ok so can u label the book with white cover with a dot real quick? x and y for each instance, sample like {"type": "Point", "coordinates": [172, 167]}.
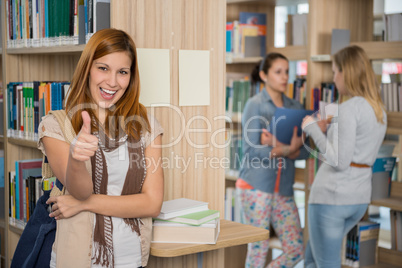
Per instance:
{"type": "Point", "coordinates": [170, 232]}
{"type": "Point", "coordinates": [181, 206]}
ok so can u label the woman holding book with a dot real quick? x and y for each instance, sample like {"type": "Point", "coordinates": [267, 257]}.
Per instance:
{"type": "Point", "coordinates": [267, 172]}
{"type": "Point", "coordinates": [348, 146]}
{"type": "Point", "coordinates": [109, 165]}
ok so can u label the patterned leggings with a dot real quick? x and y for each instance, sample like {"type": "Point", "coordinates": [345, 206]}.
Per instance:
{"type": "Point", "coordinates": [260, 209]}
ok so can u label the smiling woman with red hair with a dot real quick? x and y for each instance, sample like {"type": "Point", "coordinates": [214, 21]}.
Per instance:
{"type": "Point", "coordinates": [104, 165]}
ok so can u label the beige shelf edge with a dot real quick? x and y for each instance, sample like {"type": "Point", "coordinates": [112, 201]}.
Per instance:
{"type": "Point", "coordinates": [394, 203]}
{"type": "Point", "coordinates": [47, 50]}
{"type": "Point", "coordinates": [231, 234]}
{"type": "Point", "coordinates": [23, 142]}
{"type": "Point", "coordinates": [271, 2]}
{"type": "Point", "coordinates": [15, 229]}
{"type": "Point", "coordinates": [381, 50]}
{"type": "Point", "coordinates": [243, 60]}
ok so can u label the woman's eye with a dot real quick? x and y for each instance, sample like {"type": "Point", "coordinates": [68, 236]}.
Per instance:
{"type": "Point", "coordinates": [123, 72]}
{"type": "Point", "coordinates": [102, 68]}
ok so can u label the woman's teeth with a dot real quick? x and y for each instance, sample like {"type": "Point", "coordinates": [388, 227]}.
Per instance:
{"type": "Point", "coordinates": [110, 92]}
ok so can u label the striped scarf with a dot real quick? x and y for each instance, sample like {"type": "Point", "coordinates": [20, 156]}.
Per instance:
{"type": "Point", "coordinates": [103, 233]}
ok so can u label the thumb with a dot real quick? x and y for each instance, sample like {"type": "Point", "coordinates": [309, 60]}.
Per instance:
{"type": "Point", "coordinates": [86, 125]}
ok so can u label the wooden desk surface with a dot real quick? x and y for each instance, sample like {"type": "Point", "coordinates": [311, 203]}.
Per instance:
{"type": "Point", "coordinates": [231, 234]}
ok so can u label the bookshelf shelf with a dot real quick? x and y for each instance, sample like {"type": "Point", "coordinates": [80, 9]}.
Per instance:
{"type": "Point", "coordinates": [73, 49]}
{"type": "Point", "coordinates": [293, 53]}
{"type": "Point", "coordinates": [1, 138]}
{"type": "Point", "coordinates": [394, 203]}
{"type": "Point", "coordinates": [23, 142]}
{"type": "Point", "coordinates": [394, 122]}
{"type": "Point", "coordinates": [321, 58]}
{"type": "Point", "coordinates": [231, 234]}
{"type": "Point", "coordinates": [230, 60]}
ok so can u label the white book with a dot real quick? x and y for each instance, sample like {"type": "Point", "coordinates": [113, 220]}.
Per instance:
{"type": "Point", "coordinates": [169, 232]}
{"type": "Point", "coordinates": [181, 206]}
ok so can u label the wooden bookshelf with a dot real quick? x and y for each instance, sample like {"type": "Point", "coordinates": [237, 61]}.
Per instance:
{"type": "Point", "coordinates": [231, 234]}
{"type": "Point", "coordinates": [74, 49]}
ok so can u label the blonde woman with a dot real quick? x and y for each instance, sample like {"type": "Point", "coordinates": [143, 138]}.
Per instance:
{"type": "Point", "coordinates": [341, 190]}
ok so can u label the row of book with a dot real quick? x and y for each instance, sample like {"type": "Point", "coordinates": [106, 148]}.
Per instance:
{"type": "Point", "coordinates": [246, 37]}
{"type": "Point", "coordinates": [36, 23]}
{"type": "Point", "coordinates": [360, 244]}
{"type": "Point", "coordinates": [391, 95]}
{"type": "Point", "coordinates": [185, 220]}
{"type": "Point", "coordinates": [28, 102]}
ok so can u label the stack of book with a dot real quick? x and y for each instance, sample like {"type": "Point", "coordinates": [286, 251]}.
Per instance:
{"type": "Point", "coordinates": [186, 221]}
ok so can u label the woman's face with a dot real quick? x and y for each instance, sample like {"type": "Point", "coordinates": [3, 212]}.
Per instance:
{"type": "Point", "coordinates": [338, 79]}
{"type": "Point", "coordinates": [278, 75]}
{"type": "Point", "coordinates": [109, 78]}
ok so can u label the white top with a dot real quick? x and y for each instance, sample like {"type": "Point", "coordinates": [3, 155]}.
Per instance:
{"type": "Point", "coordinates": [123, 237]}
{"type": "Point", "coordinates": [355, 136]}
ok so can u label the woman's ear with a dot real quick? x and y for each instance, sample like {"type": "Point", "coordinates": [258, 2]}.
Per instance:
{"type": "Point", "coordinates": [263, 76]}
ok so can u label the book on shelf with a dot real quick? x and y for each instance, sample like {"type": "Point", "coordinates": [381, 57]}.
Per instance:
{"type": "Point", "coordinates": [359, 247]}
{"type": "Point", "coordinates": [181, 206]}
{"type": "Point", "coordinates": [258, 21]}
{"type": "Point", "coordinates": [196, 218]}
{"type": "Point", "coordinates": [169, 232]}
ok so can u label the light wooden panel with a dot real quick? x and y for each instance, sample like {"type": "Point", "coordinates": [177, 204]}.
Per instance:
{"type": "Point", "coordinates": [191, 25]}
{"type": "Point", "coordinates": [38, 67]}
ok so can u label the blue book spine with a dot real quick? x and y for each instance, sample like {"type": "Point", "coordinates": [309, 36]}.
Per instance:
{"type": "Point", "coordinates": [46, 18]}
